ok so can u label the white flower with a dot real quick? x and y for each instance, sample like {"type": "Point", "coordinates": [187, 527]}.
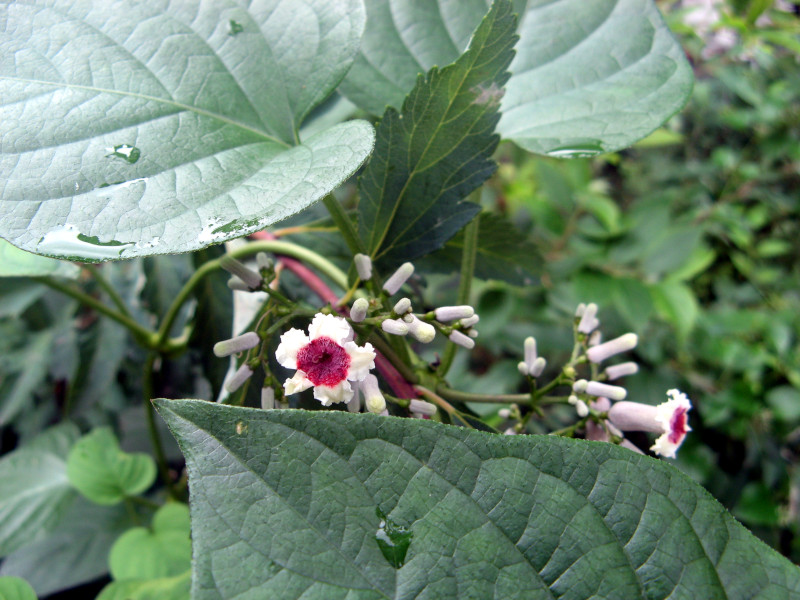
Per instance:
{"type": "Point", "coordinates": [327, 359]}
{"type": "Point", "coordinates": [670, 419]}
{"type": "Point", "coordinates": [623, 343]}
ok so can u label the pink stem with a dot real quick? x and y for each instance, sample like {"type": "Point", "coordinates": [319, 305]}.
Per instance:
{"type": "Point", "coordinates": [400, 387]}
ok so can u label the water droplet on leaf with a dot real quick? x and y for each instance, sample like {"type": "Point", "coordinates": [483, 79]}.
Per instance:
{"type": "Point", "coordinates": [393, 540]}
{"type": "Point", "coordinates": [68, 242]}
{"type": "Point", "coordinates": [126, 152]}
{"type": "Point", "coordinates": [234, 27]}
{"type": "Point", "coordinates": [578, 148]}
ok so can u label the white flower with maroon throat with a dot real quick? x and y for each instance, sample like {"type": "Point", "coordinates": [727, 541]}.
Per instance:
{"type": "Point", "coordinates": [327, 359]}
{"type": "Point", "coordinates": [670, 419]}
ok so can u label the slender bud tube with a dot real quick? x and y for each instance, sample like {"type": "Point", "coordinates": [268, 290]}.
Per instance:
{"type": "Point", "coordinates": [445, 314]}
{"type": "Point", "coordinates": [421, 407]}
{"type": "Point", "coordinates": [234, 267]}
{"type": "Point", "coordinates": [613, 347]}
{"type": "Point", "coordinates": [354, 406]}
{"type": "Point", "coordinates": [621, 370]}
{"type": "Point", "coordinates": [530, 351]}
{"type": "Point", "coordinates": [394, 326]}
{"type": "Point", "coordinates": [581, 409]}
{"type": "Point", "coordinates": [462, 340]}
{"type": "Point", "coordinates": [363, 266]}
{"type": "Point", "coordinates": [358, 312]}
{"type": "Point", "coordinates": [470, 321]}
{"type": "Point", "coordinates": [242, 374]}
{"type": "Point", "coordinates": [588, 322]}
{"type": "Point", "coordinates": [267, 398]}
{"type": "Point", "coordinates": [374, 400]}
{"type": "Point", "coordinates": [396, 281]}
{"type": "Point", "coordinates": [240, 343]}
{"type": "Point", "coordinates": [613, 392]}
{"type": "Point", "coordinates": [537, 368]}
{"type": "Point", "coordinates": [238, 285]}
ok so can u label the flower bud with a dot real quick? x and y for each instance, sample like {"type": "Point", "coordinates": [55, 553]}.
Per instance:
{"type": "Point", "coordinates": [504, 413]}
{"type": "Point", "coordinates": [588, 322]}
{"type": "Point", "coordinates": [621, 370]}
{"type": "Point", "coordinates": [421, 407]}
{"type": "Point", "coordinates": [445, 314]}
{"type": "Point", "coordinates": [613, 392]}
{"type": "Point", "coordinates": [522, 367]}
{"type": "Point", "coordinates": [237, 285]}
{"type": "Point", "coordinates": [358, 312]}
{"type": "Point", "coordinates": [394, 326]}
{"type": "Point", "coordinates": [263, 261]}
{"type": "Point", "coordinates": [580, 310]}
{"type": "Point", "coordinates": [354, 406]}
{"type": "Point", "coordinates": [581, 409]}
{"type": "Point", "coordinates": [613, 347]}
{"type": "Point", "coordinates": [396, 281]}
{"type": "Point", "coordinates": [267, 398]}
{"type": "Point", "coordinates": [363, 266]}
{"type": "Point", "coordinates": [473, 333]}
{"type": "Point", "coordinates": [462, 340]}
{"type": "Point", "coordinates": [470, 321]}
{"type": "Point", "coordinates": [424, 332]}
{"type": "Point", "coordinates": [250, 278]}
{"type": "Point", "coordinates": [403, 306]}
{"type": "Point", "coordinates": [240, 343]}
{"type": "Point", "coordinates": [242, 374]}
{"type": "Point", "coordinates": [579, 386]}
{"type": "Point", "coordinates": [374, 400]}
{"type": "Point", "coordinates": [537, 368]}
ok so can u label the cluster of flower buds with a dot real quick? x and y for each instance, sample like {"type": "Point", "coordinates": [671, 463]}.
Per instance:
{"type": "Point", "coordinates": [457, 322]}
{"type": "Point", "coordinates": [533, 365]}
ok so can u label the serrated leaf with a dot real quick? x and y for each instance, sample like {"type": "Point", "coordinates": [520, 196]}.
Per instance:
{"type": "Point", "coordinates": [18, 263]}
{"type": "Point", "coordinates": [14, 588]}
{"type": "Point", "coordinates": [438, 149]}
{"type": "Point", "coordinates": [103, 473]}
{"type": "Point", "coordinates": [490, 516]}
{"type": "Point", "coordinates": [503, 253]}
{"type": "Point", "coordinates": [163, 550]}
{"type": "Point", "coordinates": [133, 129]}
{"type": "Point", "coordinates": [588, 77]}
{"type": "Point", "coordinates": [35, 492]}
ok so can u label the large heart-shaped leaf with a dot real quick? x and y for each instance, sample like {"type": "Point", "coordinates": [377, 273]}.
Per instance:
{"type": "Point", "coordinates": [290, 503]}
{"type": "Point", "coordinates": [142, 128]}
{"type": "Point", "coordinates": [588, 77]}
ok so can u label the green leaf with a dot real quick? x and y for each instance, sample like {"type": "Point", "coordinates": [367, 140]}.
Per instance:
{"type": "Point", "coordinates": [677, 304]}
{"type": "Point", "coordinates": [588, 77]}
{"type": "Point", "coordinates": [74, 552]}
{"type": "Point", "coordinates": [103, 473]}
{"type": "Point", "coordinates": [437, 150]}
{"type": "Point", "coordinates": [18, 263]}
{"type": "Point", "coordinates": [166, 588]}
{"type": "Point", "coordinates": [36, 361]}
{"type": "Point", "coordinates": [284, 505]}
{"type": "Point", "coordinates": [163, 550]}
{"type": "Point", "coordinates": [14, 588]}
{"type": "Point", "coordinates": [632, 301]}
{"type": "Point", "coordinates": [504, 253]}
{"type": "Point", "coordinates": [35, 491]}
{"type": "Point", "coordinates": [152, 128]}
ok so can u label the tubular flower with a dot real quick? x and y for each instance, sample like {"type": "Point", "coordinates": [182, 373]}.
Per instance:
{"type": "Point", "coordinates": [327, 359]}
{"type": "Point", "coordinates": [670, 419]}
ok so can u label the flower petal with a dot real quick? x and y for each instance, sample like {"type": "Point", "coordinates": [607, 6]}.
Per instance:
{"type": "Point", "coordinates": [291, 343]}
{"type": "Point", "coordinates": [336, 328]}
{"type": "Point", "coordinates": [341, 392]}
{"type": "Point", "coordinates": [297, 384]}
{"type": "Point", "coordinates": [362, 359]}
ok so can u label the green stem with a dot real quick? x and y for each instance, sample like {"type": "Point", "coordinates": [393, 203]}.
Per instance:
{"type": "Point", "coordinates": [155, 438]}
{"type": "Point", "coordinates": [344, 224]}
{"type": "Point", "coordinates": [464, 285]}
{"type": "Point", "coordinates": [144, 335]}
{"type": "Point", "coordinates": [94, 271]}
{"type": "Point", "coordinates": [459, 396]}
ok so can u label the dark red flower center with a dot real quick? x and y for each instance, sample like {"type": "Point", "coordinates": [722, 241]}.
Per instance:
{"type": "Point", "coordinates": [677, 425]}
{"type": "Point", "coordinates": [324, 361]}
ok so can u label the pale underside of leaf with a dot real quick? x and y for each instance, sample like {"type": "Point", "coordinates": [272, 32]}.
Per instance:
{"type": "Point", "coordinates": [284, 502]}
{"type": "Point", "coordinates": [588, 77]}
{"type": "Point", "coordinates": [141, 129]}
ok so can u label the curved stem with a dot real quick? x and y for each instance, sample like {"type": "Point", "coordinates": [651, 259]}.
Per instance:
{"type": "Point", "coordinates": [155, 438]}
{"type": "Point", "coordinates": [464, 285]}
{"type": "Point", "coordinates": [459, 396]}
{"type": "Point", "coordinates": [94, 271]}
{"type": "Point", "coordinates": [143, 334]}
{"type": "Point", "coordinates": [344, 224]}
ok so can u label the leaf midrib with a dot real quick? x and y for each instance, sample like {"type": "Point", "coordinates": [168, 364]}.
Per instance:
{"type": "Point", "coordinates": [160, 100]}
